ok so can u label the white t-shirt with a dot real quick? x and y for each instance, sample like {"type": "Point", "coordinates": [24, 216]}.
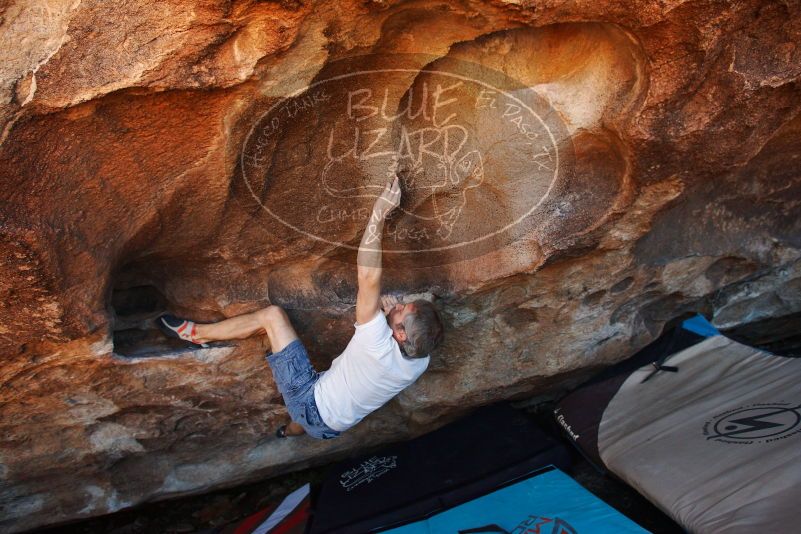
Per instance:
{"type": "Point", "coordinates": [365, 376]}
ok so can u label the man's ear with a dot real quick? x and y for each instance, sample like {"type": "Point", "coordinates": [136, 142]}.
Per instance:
{"type": "Point", "coordinates": [400, 335]}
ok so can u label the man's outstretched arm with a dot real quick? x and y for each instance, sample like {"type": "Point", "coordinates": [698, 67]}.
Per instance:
{"type": "Point", "coordinates": [368, 270]}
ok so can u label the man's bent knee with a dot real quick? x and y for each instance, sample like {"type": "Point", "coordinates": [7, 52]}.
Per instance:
{"type": "Point", "coordinates": [276, 324]}
{"type": "Point", "coordinates": [271, 315]}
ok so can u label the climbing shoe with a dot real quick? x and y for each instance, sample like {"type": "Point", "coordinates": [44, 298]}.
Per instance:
{"type": "Point", "coordinates": [176, 327]}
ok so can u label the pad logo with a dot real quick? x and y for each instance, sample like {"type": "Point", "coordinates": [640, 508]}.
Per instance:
{"type": "Point", "coordinates": [566, 426]}
{"type": "Point", "coordinates": [755, 423]}
{"type": "Point", "coordinates": [531, 525]}
{"type": "Point", "coordinates": [368, 471]}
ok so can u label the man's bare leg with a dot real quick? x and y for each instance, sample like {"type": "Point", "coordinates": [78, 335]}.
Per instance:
{"type": "Point", "coordinates": [271, 320]}
{"type": "Point", "coordinates": [294, 429]}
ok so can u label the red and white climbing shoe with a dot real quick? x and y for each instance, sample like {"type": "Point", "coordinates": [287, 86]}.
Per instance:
{"type": "Point", "coordinates": [176, 327]}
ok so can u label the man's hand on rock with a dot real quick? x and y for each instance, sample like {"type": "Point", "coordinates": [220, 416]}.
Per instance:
{"type": "Point", "coordinates": [388, 302]}
{"type": "Point", "coordinates": [388, 200]}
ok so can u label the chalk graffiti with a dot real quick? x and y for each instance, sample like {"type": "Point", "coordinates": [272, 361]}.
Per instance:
{"type": "Point", "coordinates": [368, 471]}
{"type": "Point", "coordinates": [475, 160]}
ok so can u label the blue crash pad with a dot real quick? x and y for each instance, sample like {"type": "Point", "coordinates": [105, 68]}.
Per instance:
{"type": "Point", "coordinates": [547, 503]}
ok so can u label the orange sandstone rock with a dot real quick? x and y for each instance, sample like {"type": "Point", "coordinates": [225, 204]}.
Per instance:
{"type": "Point", "coordinates": [575, 175]}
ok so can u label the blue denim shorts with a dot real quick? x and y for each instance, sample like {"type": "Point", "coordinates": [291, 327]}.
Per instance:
{"type": "Point", "coordinates": [295, 378]}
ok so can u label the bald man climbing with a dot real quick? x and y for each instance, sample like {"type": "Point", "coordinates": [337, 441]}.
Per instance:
{"type": "Point", "coordinates": [389, 350]}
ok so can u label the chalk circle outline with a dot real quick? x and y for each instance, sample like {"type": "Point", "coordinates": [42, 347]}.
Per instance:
{"type": "Point", "coordinates": [431, 59]}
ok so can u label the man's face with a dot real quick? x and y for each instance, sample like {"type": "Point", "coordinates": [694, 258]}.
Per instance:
{"type": "Point", "coordinates": [396, 316]}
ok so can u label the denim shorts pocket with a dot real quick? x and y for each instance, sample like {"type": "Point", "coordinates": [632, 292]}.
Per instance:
{"type": "Point", "coordinates": [313, 414]}
{"type": "Point", "coordinates": [314, 418]}
{"type": "Point", "coordinates": [295, 378]}
{"type": "Point", "coordinates": [299, 373]}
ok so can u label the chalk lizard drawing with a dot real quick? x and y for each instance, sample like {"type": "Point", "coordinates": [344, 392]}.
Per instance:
{"type": "Point", "coordinates": [440, 183]}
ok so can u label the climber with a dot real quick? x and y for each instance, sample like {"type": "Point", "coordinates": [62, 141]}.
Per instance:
{"type": "Point", "coordinates": [389, 350]}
